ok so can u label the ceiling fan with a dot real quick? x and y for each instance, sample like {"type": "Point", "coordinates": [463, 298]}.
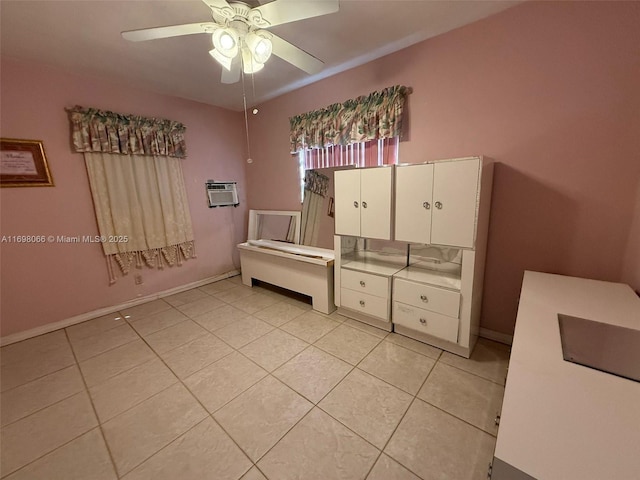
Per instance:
{"type": "Point", "coordinates": [240, 36]}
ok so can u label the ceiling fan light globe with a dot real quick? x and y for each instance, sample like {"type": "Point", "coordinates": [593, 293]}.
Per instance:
{"type": "Point", "coordinates": [221, 59]}
{"type": "Point", "coordinates": [225, 42]}
{"type": "Point", "coordinates": [260, 45]}
{"type": "Point", "coordinates": [249, 65]}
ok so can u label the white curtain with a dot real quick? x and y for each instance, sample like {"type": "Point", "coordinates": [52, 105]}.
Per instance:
{"type": "Point", "coordinates": [141, 208]}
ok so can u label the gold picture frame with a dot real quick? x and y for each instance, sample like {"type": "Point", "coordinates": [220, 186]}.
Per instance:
{"type": "Point", "coordinates": [23, 164]}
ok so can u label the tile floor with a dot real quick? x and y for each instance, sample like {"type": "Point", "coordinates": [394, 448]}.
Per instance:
{"type": "Point", "coordinates": [230, 382]}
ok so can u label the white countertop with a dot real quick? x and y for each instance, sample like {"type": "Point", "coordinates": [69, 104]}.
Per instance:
{"type": "Point", "coordinates": [561, 420]}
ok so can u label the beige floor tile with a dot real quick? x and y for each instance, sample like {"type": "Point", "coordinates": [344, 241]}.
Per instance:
{"type": "Point", "coordinates": [319, 448]}
{"type": "Point", "coordinates": [84, 458]}
{"type": "Point", "coordinates": [158, 321]}
{"type": "Point", "coordinates": [97, 325]}
{"type": "Point", "coordinates": [347, 343]}
{"type": "Point", "coordinates": [138, 433]}
{"type": "Point", "coordinates": [172, 337]}
{"type": "Point", "coordinates": [261, 416]}
{"type": "Point", "coordinates": [234, 294]}
{"type": "Point", "coordinates": [464, 395]}
{"type": "Point", "coordinates": [435, 445]}
{"type": "Point", "coordinates": [203, 453]}
{"type": "Point", "coordinates": [337, 317]}
{"type": "Point", "coordinates": [313, 373]}
{"type": "Point", "coordinates": [255, 303]}
{"type": "Point", "coordinates": [220, 317]}
{"type": "Point", "coordinates": [398, 366]}
{"type": "Point", "coordinates": [243, 331]}
{"type": "Point", "coordinates": [224, 380]}
{"type": "Point", "coordinates": [38, 394]}
{"type": "Point", "coordinates": [386, 468]}
{"type": "Point", "coordinates": [368, 406]}
{"type": "Point", "coordinates": [36, 435]}
{"type": "Point", "coordinates": [193, 356]}
{"type": "Point", "coordinates": [30, 359]}
{"type": "Point", "coordinates": [201, 306]}
{"type": "Point", "coordinates": [414, 345]}
{"type": "Point", "coordinates": [109, 364]}
{"type": "Point", "coordinates": [279, 313]}
{"type": "Point", "coordinates": [185, 297]}
{"type": "Point", "coordinates": [88, 347]}
{"type": "Point", "coordinates": [145, 309]}
{"type": "Point", "coordinates": [375, 331]}
{"type": "Point", "coordinates": [488, 360]}
{"type": "Point", "coordinates": [40, 345]}
{"type": "Point", "coordinates": [273, 349]}
{"type": "Point", "coordinates": [130, 388]}
{"type": "Point", "coordinates": [310, 326]}
{"type": "Point", "coordinates": [216, 287]}
{"type": "Point", "coordinates": [253, 474]}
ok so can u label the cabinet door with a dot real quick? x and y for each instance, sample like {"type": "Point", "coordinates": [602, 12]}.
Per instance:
{"type": "Point", "coordinates": [376, 189]}
{"type": "Point", "coordinates": [347, 202]}
{"type": "Point", "coordinates": [414, 191]}
{"type": "Point", "coordinates": [455, 198]}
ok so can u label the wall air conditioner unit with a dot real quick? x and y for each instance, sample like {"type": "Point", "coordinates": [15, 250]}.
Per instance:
{"type": "Point", "coordinates": [222, 194]}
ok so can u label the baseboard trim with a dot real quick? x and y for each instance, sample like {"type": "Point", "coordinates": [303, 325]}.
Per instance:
{"type": "Point", "coordinates": [50, 327]}
{"type": "Point", "coordinates": [496, 336]}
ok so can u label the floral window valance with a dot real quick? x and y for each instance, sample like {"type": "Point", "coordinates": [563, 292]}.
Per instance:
{"type": "Point", "coordinates": [316, 182]}
{"type": "Point", "coordinates": [371, 117]}
{"type": "Point", "coordinates": [95, 130]}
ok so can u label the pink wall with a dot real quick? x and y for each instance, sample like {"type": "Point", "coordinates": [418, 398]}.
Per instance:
{"type": "Point", "coordinates": [46, 283]}
{"type": "Point", "coordinates": [547, 89]}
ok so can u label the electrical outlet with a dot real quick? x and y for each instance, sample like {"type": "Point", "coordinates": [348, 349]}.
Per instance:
{"type": "Point", "coordinates": [138, 279]}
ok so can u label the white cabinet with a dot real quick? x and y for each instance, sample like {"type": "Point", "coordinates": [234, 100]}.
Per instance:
{"type": "Point", "coordinates": [436, 203]}
{"type": "Point", "coordinates": [363, 202]}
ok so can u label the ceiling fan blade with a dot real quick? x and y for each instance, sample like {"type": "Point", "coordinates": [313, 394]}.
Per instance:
{"type": "Point", "coordinates": [233, 75]}
{"type": "Point", "coordinates": [295, 56]}
{"type": "Point", "coordinates": [285, 11]}
{"type": "Point", "coordinates": [170, 31]}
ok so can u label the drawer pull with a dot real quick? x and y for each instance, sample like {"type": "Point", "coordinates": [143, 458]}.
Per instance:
{"type": "Point", "coordinates": [423, 321]}
{"type": "Point", "coordinates": [426, 205]}
{"type": "Point", "coordinates": [362, 284]}
{"type": "Point", "coordinates": [362, 303]}
{"type": "Point", "coordinates": [355, 204]}
{"type": "Point", "coordinates": [424, 298]}
{"type": "Point", "coordinates": [439, 205]}
{"type": "Point", "coordinates": [364, 204]}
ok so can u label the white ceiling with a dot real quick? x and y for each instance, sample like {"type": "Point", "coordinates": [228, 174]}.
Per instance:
{"type": "Point", "coordinates": [84, 36]}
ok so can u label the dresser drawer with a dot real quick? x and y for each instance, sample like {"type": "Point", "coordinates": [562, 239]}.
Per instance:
{"type": "Point", "coordinates": [364, 303]}
{"type": "Point", "coordinates": [365, 282]}
{"type": "Point", "coordinates": [426, 297]}
{"type": "Point", "coordinates": [424, 321]}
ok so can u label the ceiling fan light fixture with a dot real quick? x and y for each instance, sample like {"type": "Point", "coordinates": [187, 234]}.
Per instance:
{"type": "Point", "coordinates": [221, 59]}
{"type": "Point", "coordinates": [225, 42]}
{"type": "Point", "coordinates": [259, 43]}
{"type": "Point", "coordinates": [249, 65]}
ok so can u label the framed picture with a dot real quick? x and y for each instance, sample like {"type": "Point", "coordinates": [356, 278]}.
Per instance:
{"type": "Point", "coordinates": [23, 164]}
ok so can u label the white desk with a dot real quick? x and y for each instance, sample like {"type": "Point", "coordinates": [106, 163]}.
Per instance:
{"type": "Point", "coordinates": [561, 420]}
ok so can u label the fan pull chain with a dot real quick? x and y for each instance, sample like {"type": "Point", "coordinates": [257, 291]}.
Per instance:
{"type": "Point", "coordinates": [246, 119]}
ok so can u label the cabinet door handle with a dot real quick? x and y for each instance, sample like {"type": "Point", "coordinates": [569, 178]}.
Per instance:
{"type": "Point", "coordinates": [423, 321]}
{"type": "Point", "coordinates": [424, 298]}
{"type": "Point", "coordinates": [497, 420]}
{"type": "Point", "coordinates": [364, 204]}
{"type": "Point", "coordinates": [426, 205]}
{"type": "Point", "coordinates": [362, 303]}
{"type": "Point", "coordinates": [355, 204]}
{"type": "Point", "coordinates": [362, 284]}
{"type": "Point", "coordinates": [439, 205]}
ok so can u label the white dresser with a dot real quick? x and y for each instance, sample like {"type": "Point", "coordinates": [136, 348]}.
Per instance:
{"type": "Point", "coordinates": [561, 420]}
{"type": "Point", "coordinates": [444, 204]}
